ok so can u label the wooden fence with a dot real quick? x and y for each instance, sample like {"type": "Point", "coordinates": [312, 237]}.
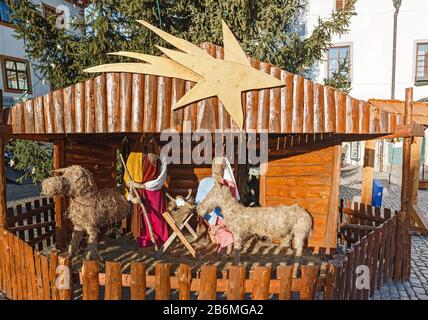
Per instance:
{"type": "Point", "coordinates": [33, 221]}
{"type": "Point", "coordinates": [26, 273]}
{"type": "Point", "coordinates": [234, 284]}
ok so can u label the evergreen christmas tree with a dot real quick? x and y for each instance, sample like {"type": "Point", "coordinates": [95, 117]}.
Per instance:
{"type": "Point", "coordinates": [268, 30]}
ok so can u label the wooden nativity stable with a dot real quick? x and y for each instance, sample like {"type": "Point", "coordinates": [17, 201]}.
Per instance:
{"type": "Point", "coordinates": [306, 124]}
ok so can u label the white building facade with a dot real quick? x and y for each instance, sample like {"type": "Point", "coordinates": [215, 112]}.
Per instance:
{"type": "Point", "coordinates": [368, 48]}
{"type": "Point", "coordinates": [18, 79]}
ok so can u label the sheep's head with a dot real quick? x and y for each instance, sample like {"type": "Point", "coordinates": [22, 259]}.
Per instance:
{"type": "Point", "coordinates": [216, 198]}
{"type": "Point", "coordinates": [55, 186]}
{"type": "Point", "coordinates": [74, 181]}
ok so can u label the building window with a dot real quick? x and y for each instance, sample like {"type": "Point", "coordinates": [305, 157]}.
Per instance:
{"type": "Point", "coordinates": [16, 75]}
{"type": "Point", "coordinates": [340, 4]}
{"type": "Point", "coordinates": [339, 61]}
{"type": "Point", "coordinates": [422, 62]}
{"type": "Point", "coordinates": [5, 14]}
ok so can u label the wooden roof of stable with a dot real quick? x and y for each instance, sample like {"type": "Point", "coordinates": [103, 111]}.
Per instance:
{"type": "Point", "coordinates": [420, 109]}
{"type": "Point", "coordinates": [136, 103]}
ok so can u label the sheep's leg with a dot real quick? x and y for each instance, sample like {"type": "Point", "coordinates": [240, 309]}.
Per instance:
{"type": "Point", "coordinates": [286, 241]}
{"type": "Point", "coordinates": [75, 241]}
{"type": "Point", "coordinates": [93, 244]}
{"type": "Point", "coordinates": [237, 249]}
{"type": "Point", "coordinates": [299, 240]}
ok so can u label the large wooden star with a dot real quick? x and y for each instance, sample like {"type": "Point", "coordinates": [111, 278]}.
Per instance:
{"type": "Point", "coordinates": [224, 78]}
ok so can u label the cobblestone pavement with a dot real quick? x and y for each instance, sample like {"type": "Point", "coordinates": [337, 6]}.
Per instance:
{"type": "Point", "coordinates": [417, 287]}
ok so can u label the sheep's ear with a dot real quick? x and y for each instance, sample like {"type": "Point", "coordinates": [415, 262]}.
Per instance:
{"type": "Point", "coordinates": [62, 170]}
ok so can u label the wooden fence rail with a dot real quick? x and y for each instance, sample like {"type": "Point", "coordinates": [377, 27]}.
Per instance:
{"type": "Point", "coordinates": [232, 285]}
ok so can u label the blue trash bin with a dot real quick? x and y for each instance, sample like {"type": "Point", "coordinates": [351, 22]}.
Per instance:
{"type": "Point", "coordinates": [377, 193]}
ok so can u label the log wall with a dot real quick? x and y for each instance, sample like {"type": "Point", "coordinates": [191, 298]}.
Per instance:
{"type": "Point", "coordinates": [309, 180]}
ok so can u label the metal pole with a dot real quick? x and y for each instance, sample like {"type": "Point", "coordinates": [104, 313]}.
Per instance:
{"type": "Point", "coordinates": [397, 5]}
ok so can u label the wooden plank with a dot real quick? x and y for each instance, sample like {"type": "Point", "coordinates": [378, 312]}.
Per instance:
{"type": "Point", "coordinates": [261, 282]}
{"type": "Point", "coordinates": [308, 112]}
{"type": "Point", "coordinates": [252, 105]}
{"type": "Point", "coordinates": [113, 101]}
{"type": "Point", "coordinates": [113, 285]}
{"type": "Point", "coordinates": [236, 283]}
{"type": "Point", "coordinates": [69, 109]}
{"type": "Point", "coordinates": [79, 100]}
{"type": "Point", "coordinates": [330, 109]}
{"type": "Point", "coordinates": [365, 117]}
{"type": "Point", "coordinates": [150, 97]}
{"type": "Point", "coordinates": [53, 264]}
{"type": "Point", "coordinates": [58, 103]}
{"type": "Point", "coordinates": [263, 102]}
{"type": "Point", "coordinates": [178, 87]}
{"type": "Point", "coordinates": [309, 282]}
{"type": "Point", "coordinates": [125, 102]}
{"type": "Point", "coordinates": [89, 106]}
{"type": "Point", "coordinates": [7, 263]}
{"type": "Point", "coordinates": [29, 116]}
{"type": "Point", "coordinates": [49, 113]}
{"type": "Point", "coordinates": [31, 273]}
{"type": "Point", "coordinates": [287, 102]}
{"type": "Point", "coordinates": [162, 281]}
{"type": "Point", "coordinates": [319, 108]}
{"type": "Point", "coordinates": [208, 284]}
{"type": "Point", "coordinates": [90, 287]}
{"type": "Point", "coordinates": [285, 276]}
{"type": "Point", "coordinates": [39, 119]}
{"type": "Point", "coordinates": [100, 104]}
{"type": "Point", "coordinates": [298, 104]}
{"type": "Point", "coordinates": [184, 275]}
{"type": "Point", "coordinates": [17, 267]}
{"type": "Point", "coordinates": [340, 100]}
{"type": "Point", "coordinates": [331, 236]}
{"type": "Point", "coordinates": [374, 120]}
{"type": "Point", "coordinates": [368, 171]}
{"type": "Point", "coordinates": [18, 125]}
{"type": "Point", "coordinates": [137, 110]}
{"type": "Point", "coordinates": [44, 264]}
{"type": "Point", "coordinates": [138, 281]}
{"type": "Point", "coordinates": [39, 276]}
{"type": "Point", "coordinates": [275, 103]}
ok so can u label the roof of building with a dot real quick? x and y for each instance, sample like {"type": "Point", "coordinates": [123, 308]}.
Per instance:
{"type": "Point", "coordinates": [136, 103]}
{"type": "Point", "coordinates": [420, 109]}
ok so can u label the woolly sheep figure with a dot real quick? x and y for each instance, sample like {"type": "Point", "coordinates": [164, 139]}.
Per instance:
{"type": "Point", "coordinates": [89, 208]}
{"type": "Point", "coordinates": [286, 222]}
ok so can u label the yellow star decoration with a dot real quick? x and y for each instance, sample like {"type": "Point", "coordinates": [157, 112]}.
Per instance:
{"type": "Point", "coordinates": [225, 78]}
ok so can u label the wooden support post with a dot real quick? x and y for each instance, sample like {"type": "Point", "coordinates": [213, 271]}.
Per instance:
{"type": "Point", "coordinates": [368, 172]}
{"type": "Point", "coordinates": [3, 205]}
{"type": "Point", "coordinates": [60, 221]}
{"type": "Point", "coordinates": [418, 221]}
{"type": "Point", "coordinates": [407, 187]}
